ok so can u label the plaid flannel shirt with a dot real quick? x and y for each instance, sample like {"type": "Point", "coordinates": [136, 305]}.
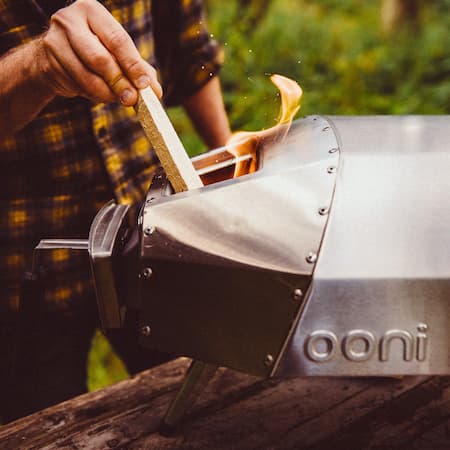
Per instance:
{"type": "Point", "coordinates": [75, 155]}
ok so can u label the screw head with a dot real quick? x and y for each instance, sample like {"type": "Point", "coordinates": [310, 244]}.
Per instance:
{"type": "Point", "coordinates": [333, 150]}
{"type": "Point", "coordinates": [297, 295]}
{"type": "Point", "coordinates": [149, 231]}
{"type": "Point", "coordinates": [422, 327]}
{"type": "Point", "coordinates": [323, 211]}
{"type": "Point", "coordinates": [325, 128]}
{"type": "Point", "coordinates": [268, 360]}
{"type": "Point", "coordinates": [311, 258]}
{"type": "Point", "coordinates": [146, 330]}
{"type": "Point", "coordinates": [147, 272]}
{"type": "Point", "coordinates": [331, 169]}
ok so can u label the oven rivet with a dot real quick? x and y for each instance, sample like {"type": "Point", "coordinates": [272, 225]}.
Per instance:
{"type": "Point", "coordinates": [311, 258]}
{"type": "Point", "coordinates": [333, 150]}
{"type": "Point", "coordinates": [268, 360]}
{"type": "Point", "coordinates": [323, 211]}
{"type": "Point", "coordinates": [325, 129]}
{"type": "Point", "coordinates": [147, 272]}
{"type": "Point", "coordinates": [297, 295]}
{"type": "Point", "coordinates": [422, 327]}
{"type": "Point", "coordinates": [149, 231]}
{"type": "Point", "coordinates": [146, 330]}
{"type": "Point", "coordinates": [331, 169]}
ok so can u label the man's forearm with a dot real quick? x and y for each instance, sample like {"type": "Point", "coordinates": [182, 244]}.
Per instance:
{"type": "Point", "coordinates": [207, 112]}
{"type": "Point", "coordinates": [22, 92]}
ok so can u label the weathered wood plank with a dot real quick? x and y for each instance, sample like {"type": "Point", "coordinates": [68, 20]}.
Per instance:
{"type": "Point", "coordinates": [437, 438]}
{"type": "Point", "coordinates": [238, 411]}
{"type": "Point", "coordinates": [279, 413]}
{"type": "Point", "coordinates": [401, 420]}
{"type": "Point", "coordinates": [71, 417]}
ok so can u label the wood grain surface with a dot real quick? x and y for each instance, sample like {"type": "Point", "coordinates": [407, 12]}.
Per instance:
{"type": "Point", "coordinates": [238, 411]}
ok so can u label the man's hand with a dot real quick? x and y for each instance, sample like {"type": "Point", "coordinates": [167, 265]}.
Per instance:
{"type": "Point", "coordinates": [86, 52]}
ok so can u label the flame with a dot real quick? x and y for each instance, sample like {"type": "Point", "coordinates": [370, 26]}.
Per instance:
{"type": "Point", "coordinates": [247, 142]}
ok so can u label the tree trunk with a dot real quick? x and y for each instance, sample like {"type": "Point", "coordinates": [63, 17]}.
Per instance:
{"type": "Point", "coordinates": [399, 14]}
{"type": "Point", "coordinates": [250, 13]}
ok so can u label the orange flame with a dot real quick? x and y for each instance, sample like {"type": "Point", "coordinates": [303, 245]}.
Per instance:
{"type": "Point", "coordinates": [247, 142]}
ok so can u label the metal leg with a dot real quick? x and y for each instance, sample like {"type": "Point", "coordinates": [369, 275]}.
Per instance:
{"type": "Point", "coordinates": [197, 377]}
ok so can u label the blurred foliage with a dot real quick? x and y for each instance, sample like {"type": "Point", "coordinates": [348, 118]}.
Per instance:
{"type": "Point", "coordinates": [104, 367]}
{"type": "Point", "coordinates": [337, 52]}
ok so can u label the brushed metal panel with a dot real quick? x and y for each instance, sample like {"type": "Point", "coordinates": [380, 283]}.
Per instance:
{"type": "Point", "coordinates": [269, 219]}
{"type": "Point", "coordinates": [384, 265]}
{"type": "Point", "coordinates": [399, 327]}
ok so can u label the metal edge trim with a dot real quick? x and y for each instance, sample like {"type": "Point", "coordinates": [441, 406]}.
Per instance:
{"type": "Point", "coordinates": [303, 305]}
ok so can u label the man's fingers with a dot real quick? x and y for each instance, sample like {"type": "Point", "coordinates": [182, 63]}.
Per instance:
{"type": "Point", "coordinates": [87, 82]}
{"type": "Point", "coordinates": [121, 46]}
{"type": "Point", "coordinates": [98, 60]}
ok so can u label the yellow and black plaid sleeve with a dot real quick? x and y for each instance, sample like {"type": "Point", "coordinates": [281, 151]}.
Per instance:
{"type": "Point", "coordinates": [186, 55]}
{"type": "Point", "coordinates": [58, 171]}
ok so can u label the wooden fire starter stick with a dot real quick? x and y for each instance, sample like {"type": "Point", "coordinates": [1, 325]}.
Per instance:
{"type": "Point", "coordinates": [167, 144]}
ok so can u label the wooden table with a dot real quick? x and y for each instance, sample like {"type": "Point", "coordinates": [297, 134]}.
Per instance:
{"type": "Point", "coordinates": [238, 411]}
